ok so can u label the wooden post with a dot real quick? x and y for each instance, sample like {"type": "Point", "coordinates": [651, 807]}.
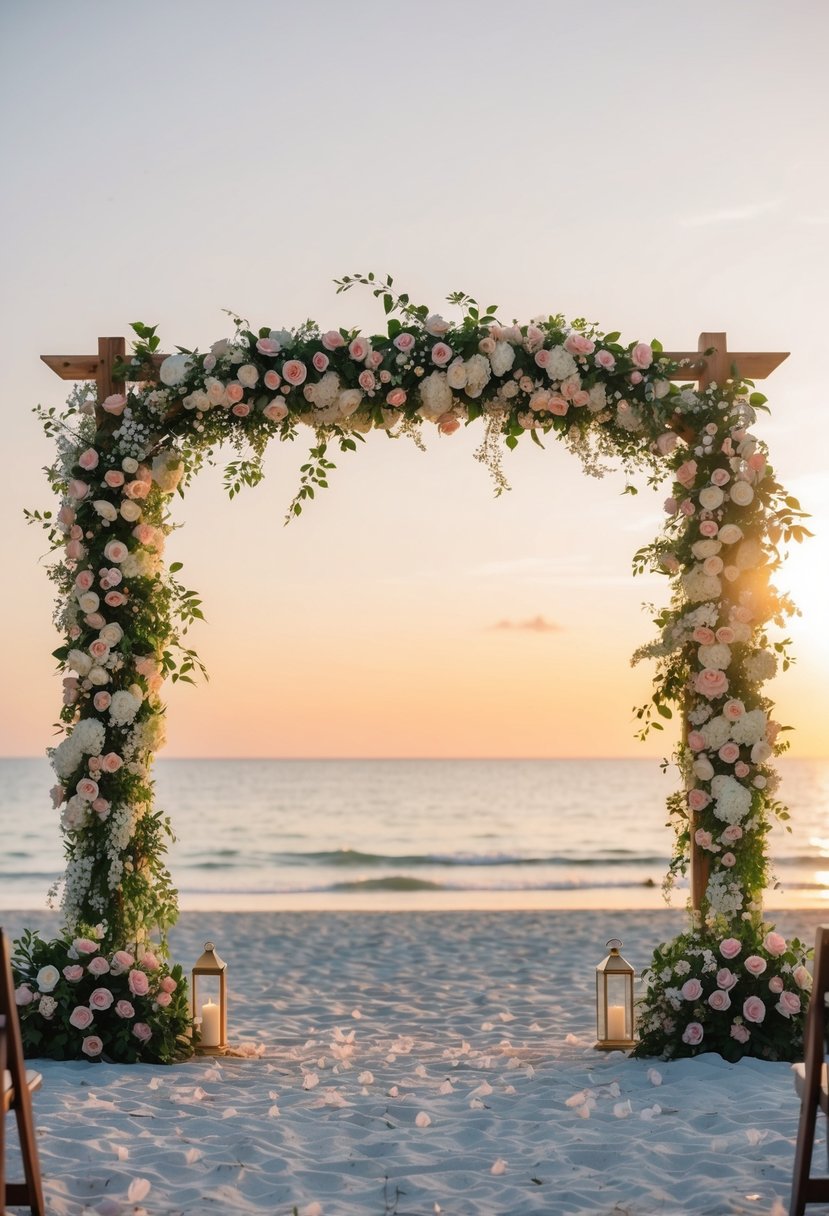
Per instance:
{"type": "Point", "coordinates": [110, 350]}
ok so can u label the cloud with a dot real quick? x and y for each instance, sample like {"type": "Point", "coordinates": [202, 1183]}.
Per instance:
{"type": "Point", "coordinates": [730, 215]}
{"type": "Point", "coordinates": [536, 624]}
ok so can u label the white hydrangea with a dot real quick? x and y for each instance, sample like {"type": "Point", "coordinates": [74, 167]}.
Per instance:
{"type": "Point", "coordinates": [168, 470]}
{"type": "Point", "coordinates": [325, 392]}
{"type": "Point", "coordinates": [561, 364]}
{"type": "Point", "coordinates": [123, 707]}
{"type": "Point", "coordinates": [174, 369]}
{"type": "Point", "coordinates": [628, 418]}
{"type": "Point", "coordinates": [436, 396]}
{"type": "Point", "coordinates": [597, 398]}
{"type": "Point", "coordinates": [750, 728]}
{"type": "Point", "coordinates": [149, 735]}
{"type": "Point", "coordinates": [79, 662]}
{"type": "Point", "coordinates": [701, 586]}
{"type": "Point", "coordinates": [760, 666]}
{"type": "Point", "coordinates": [478, 373]}
{"type": "Point", "coordinates": [733, 801]}
{"type": "Point", "coordinates": [502, 359]}
{"type": "Point", "coordinates": [348, 402]}
{"type": "Point", "coordinates": [715, 733]}
{"type": "Point", "coordinates": [717, 655]}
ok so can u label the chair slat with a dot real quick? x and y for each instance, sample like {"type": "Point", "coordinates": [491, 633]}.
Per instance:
{"type": "Point", "coordinates": [17, 1097]}
{"type": "Point", "coordinates": [810, 1080]}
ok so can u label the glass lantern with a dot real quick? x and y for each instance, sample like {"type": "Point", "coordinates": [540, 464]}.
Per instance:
{"type": "Point", "coordinates": [209, 997]}
{"type": "Point", "coordinates": [614, 1001]}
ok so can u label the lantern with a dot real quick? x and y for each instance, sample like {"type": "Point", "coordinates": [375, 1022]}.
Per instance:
{"type": "Point", "coordinates": [210, 980]}
{"type": "Point", "coordinates": [614, 1001]}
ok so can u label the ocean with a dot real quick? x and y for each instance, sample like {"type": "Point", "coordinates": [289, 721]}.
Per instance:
{"type": "Point", "coordinates": [396, 834]}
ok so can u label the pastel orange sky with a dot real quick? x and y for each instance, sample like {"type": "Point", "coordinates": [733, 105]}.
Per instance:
{"type": "Point", "coordinates": [512, 153]}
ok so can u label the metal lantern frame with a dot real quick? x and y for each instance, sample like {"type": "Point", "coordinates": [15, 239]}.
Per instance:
{"type": "Point", "coordinates": [614, 990]}
{"type": "Point", "coordinates": [211, 966]}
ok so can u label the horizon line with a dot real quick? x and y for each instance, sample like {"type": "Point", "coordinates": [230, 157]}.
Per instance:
{"type": "Point", "coordinates": [434, 759]}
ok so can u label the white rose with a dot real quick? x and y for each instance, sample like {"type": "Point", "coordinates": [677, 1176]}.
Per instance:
{"type": "Point", "coordinates": [174, 369]}
{"type": "Point", "coordinates": [111, 634]}
{"type": "Point", "coordinates": [78, 662]}
{"type": "Point", "coordinates": [130, 511]}
{"type": "Point", "coordinates": [348, 402]}
{"type": "Point", "coordinates": [502, 358]}
{"type": "Point", "coordinates": [703, 768]}
{"type": "Point", "coordinates": [661, 388]}
{"type": "Point", "coordinates": [436, 326]}
{"type": "Point", "coordinates": [711, 497]}
{"type": "Point", "coordinates": [88, 602]}
{"type": "Point", "coordinates": [478, 374]}
{"type": "Point", "coordinates": [129, 464]}
{"type": "Point", "coordinates": [247, 375]}
{"type": "Point", "coordinates": [760, 752]}
{"type": "Point", "coordinates": [215, 391]}
{"type": "Point", "coordinates": [105, 509]}
{"type": "Point", "coordinates": [168, 470]}
{"type": "Point", "coordinates": [717, 655]}
{"type": "Point", "coordinates": [456, 374]}
{"type": "Point", "coordinates": [47, 978]}
{"type": "Point", "coordinates": [197, 400]}
{"type": "Point", "coordinates": [741, 493]}
{"type": "Point", "coordinates": [705, 548]}
{"type": "Point", "coordinates": [98, 676]}
{"type": "Point", "coordinates": [729, 534]}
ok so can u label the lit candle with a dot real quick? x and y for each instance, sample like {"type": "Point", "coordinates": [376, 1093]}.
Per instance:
{"type": "Point", "coordinates": [615, 1022]}
{"type": "Point", "coordinates": [210, 1025]}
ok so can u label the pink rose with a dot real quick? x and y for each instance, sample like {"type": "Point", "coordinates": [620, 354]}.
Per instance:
{"type": "Point", "coordinates": [396, 397]}
{"type": "Point", "coordinates": [740, 1032]}
{"type": "Point", "coordinates": [149, 961]}
{"type": "Point", "coordinates": [711, 683]}
{"type": "Point", "coordinates": [712, 565]}
{"type": "Point", "coordinates": [728, 753]}
{"type": "Point", "coordinates": [87, 789]}
{"type": "Point", "coordinates": [725, 635]}
{"type": "Point", "coordinates": [138, 983]}
{"type": "Point", "coordinates": [88, 460]}
{"type": "Point", "coordinates": [753, 1009]}
{"type": "Point", "coordinates": [77, 489]}
{"type": "Point", "coordinates": [776, 985]}
{"type": "Point", "coordinates": [730, 947]}
{"type": "Point", "coordinates": [606, 361]}
{"type": "Point", "coordinates": [448, 424]}
{"type": "Point", "coordinates": [66, 516]}
{"type": "Point", "coordinates": [241, 410]}
{"type": "Point", "coordinates": [437, 327]}
{"type": "Point", "coordinates": [687, 508]}
{"type": "Point", "coordinates": [635, 377]}
{"type": "Point", "coordinates": [94, 620]}
{"type": "Point", "coordinates": [693, 1034]}
{"type": "Point", "coordinates": [441, 354]}
{"type": "Point", "coordinates": [275, 411]}
{"type": "Point", "coordinates": [234, 393]}
{"type": "Point", "coordinates": [709, 528]}
{"type": "Point", "coordinates": [775, 944]}
{"type": "Point", "coordinates": [268, 346]}
{"type": "Point", "coordinates": [75, 550]}
{"type": "Point", "coordinates": [698, 799]}
{"type": "Point", "coordinates": [98, 649]}
{"type": "Point", "coordinates": [703, 839]}
{"type": "Point", "coordinates": [788, 1005]}
{"type": "Point", "coordinates": [578, 344]}
{"type": "Point", "coordinates": [80, 1017]}
{"type": "Point", "coordinates": [726, 979]}
{"type": "Point", "coordinates": [84, 580]}
{"type": "Point", "coordinates": [92, 1045]}
{"type": "Point", "coordinates": [670, 506]}
{"type": "Point", "coordinates": [142, 1032]}
{"type": "Point", "coordinates": [122, 960]}
{"type": "Point", "coordinates": [696, 741]}
{"type": "Point", "coordinates": [374, 359]}
{"type": "Point", "coordinates": [124, 1009]}
{"type": "Point", "coordinates": [137, 490]}
{"type": "Point", "coordinates": [719, 1000]}
{"type": "Point", "coordinates": [720, 477]}
{"type": "Point", "coordinates": [666, 443]}
{"type": "Point", "coordinates": [359, 349]}
{"type": "Point", "coordinates": [686, 473]}
{"type": "Point", "coordinates": [111, 762]}
{"type": "Point", "coordinates": [23, 995]}
{"type": "Point", "coordinates": [581, 397]}
{"type": "Point", "coordinates": [101, 807]}
{"type": "Point", "coordinates": [102, 701]}
{"type": "Point", "coordinates": [703, 635]}
{"type": "Point", "coordinates": [691, 990]}
{"type": "Point", "coordinates": [84, 945]}
{"type": "Point", "coordinates": [366, 380]}
{"type": "Point", "coordinates": [802, 976]}
{"type": "Point", "coordinates": [168, 984]}
{"type": "Point", "coordinates": [98, 966]}
{"type": "Point", "coordinates": [58, 795]}
{"type": "Point", "coordinates": [100, 998]}
{"type": "Point", "coordinates": [641, 355]}
{"type": "Point", "coordinates": [733, 710]}
{"type": "Point", "coordinates": [732, 834]}
{"type": "Point", "coordinates": [405, 343]}
{"type": "Point", "coordinates": [558, 406]}
{"type": "Point", "coordinates": [756, 462]}
{"type": "Point", "coordinates": [294, 371]}
{"type": "Point", "coordinates": [756, 966]}
{"type": "Point", "coordinates": [163, 999]}
{"type": "Point", "coordinates": [114, 404]}
{"type": "Point", "coordinates": [728, 860]}
{"type": "Point", "coordinates": [73, 973]}
{"type": "Point", "coordinates": [333, 340]}
{"type": "Point", "coordinates": [272, 380]}
{"type": "Point", "coordinates": [320, 361]}
{"type": "Point", "coordinates": [115, 599]}
{"type": "Point", "coordinates": [534, 338]}
{"type": "Point", "coordinates": [114, 478]}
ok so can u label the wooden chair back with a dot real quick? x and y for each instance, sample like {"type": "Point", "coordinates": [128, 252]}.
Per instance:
{"type": "Point", "coordinates": [810, 1079]}
{"type": "Point", "coordinates": [17, 1090]}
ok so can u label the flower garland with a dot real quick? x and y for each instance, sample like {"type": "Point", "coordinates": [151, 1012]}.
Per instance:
{"type": "Point", "coordinates": [125, 617]}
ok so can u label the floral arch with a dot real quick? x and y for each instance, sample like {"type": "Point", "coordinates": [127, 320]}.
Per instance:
{"type": "Point", "coordinates": [124, 616]}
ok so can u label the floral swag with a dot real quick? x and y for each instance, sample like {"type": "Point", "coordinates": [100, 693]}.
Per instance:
{"type": "Point", "coordinates": [125, 616]}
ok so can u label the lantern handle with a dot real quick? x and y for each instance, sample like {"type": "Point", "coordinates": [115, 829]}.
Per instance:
{"type": "Point", "coordinates": [615, 944]}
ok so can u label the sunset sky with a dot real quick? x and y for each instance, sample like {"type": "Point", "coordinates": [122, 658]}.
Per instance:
{"type": "Point", "coordinates": [657, 168]}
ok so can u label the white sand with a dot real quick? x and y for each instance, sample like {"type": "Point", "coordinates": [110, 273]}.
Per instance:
{"type": "Point", "coordinates": [413, 1064]}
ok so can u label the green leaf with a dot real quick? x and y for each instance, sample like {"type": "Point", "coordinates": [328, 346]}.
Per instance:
{"type": "Point", "coordinates": [175, 567]}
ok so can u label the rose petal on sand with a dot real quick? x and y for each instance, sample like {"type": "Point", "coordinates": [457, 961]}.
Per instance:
{"type": "Point", "coordinates": [192, 1155]}
{"type": "Point", "coordinates": [310, 1080]}
{"type": "Point", "coordinates": [139, 1189]}
{"type": "Point", "coordinates": [654, 1076]}
{"type": "Point", "coordinates": [622, 1110]}
{"type": "Point", "coordinates": [446, 1088]}
{"type": "Point", "coordinates": [355, 1013]}
{"type": "Point", "coordinates": [366, 1078]}
{"type": "Point", "coordinates": [499, 1166]}
{"type": "Point", "coordinates": [422, 1119]}
{"type": "Point", "coordinates": [273, 1112]}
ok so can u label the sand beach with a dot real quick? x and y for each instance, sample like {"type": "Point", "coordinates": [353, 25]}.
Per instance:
{"type": "Point", "coordinates": [418, 1063]}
